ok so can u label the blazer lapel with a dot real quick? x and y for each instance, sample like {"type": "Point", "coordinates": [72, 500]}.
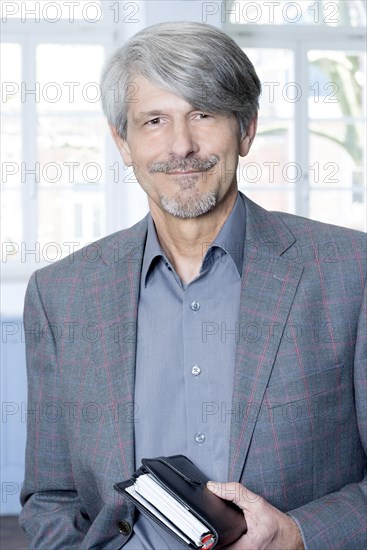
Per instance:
{"type": "Point", "coordinates": [112, 294]}
{"type": "Point", "coordinates": [269, 284]}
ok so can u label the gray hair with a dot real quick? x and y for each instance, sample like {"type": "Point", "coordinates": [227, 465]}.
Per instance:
{"type": "Point", "coordinates": [196, 61]}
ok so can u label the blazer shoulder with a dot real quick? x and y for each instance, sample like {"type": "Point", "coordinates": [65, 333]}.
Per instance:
{"type": "Point", "coordinates": [285, 230]}
{"type": "Point", "coordinates": [326, 246]}
{"type": "Point", "coordinates": [306, 229]}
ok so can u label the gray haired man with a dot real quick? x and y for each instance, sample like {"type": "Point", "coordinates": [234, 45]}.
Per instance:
{"type": "Point", "coordinates": [192, 306]}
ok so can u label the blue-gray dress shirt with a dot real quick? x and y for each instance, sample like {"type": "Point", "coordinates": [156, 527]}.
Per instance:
{"type": "Point", "coordinates": [185, 360]}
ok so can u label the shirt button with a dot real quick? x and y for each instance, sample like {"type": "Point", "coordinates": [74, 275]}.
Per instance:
{"type": "Point", "coordinates": [124, 527]}
{"type": "Point", "coordinates": [195, 370]}
{"type": "Point", "coordinates": [200, 438]}
{"type": "Point", "coordinates": [195, 306]}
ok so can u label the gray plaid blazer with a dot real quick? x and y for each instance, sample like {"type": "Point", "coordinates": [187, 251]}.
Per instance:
{"type": "Point", "coordinates": [298, 432]}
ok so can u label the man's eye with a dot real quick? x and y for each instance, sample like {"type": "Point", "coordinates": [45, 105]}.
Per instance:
{"type": "Point", "coordinates": [154, 121]}
{"type": "Point", "coordinates": [203, 115]}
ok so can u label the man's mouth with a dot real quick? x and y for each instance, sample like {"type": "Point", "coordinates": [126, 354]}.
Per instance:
{"type": "Point", "coordinates": [183, 168]}
{"type": "Point", "coordinates": [178, 173]}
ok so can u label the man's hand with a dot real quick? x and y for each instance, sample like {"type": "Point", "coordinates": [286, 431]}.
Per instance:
{"type": "Point", "coordinates": [268, 528]}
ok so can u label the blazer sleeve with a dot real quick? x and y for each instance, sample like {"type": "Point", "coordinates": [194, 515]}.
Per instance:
{"type": "Point", "coordinates": [52, 515]}
{"type": "Point", "coordinates": [339, 520]}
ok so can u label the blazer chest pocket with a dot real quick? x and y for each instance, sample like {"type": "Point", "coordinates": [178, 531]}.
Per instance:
{"type": "Point", "coordinates": [311, 398]}
{"type": "Point", "coordinates": [295, 418]}
{"type": "Point", "coordinates": [297, 425]}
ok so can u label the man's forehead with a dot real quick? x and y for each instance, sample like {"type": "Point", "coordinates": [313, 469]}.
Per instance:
{"type": "Point", "coordinates": [148, 99]}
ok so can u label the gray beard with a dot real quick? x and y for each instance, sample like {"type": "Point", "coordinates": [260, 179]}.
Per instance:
{"type": "Point", "coordinates": [187, 202]}
{"type": "Point", "coordinates": [189, 205]}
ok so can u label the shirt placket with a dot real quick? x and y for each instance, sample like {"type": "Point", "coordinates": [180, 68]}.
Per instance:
{"type": "Point", "coordinates": [196, 373]}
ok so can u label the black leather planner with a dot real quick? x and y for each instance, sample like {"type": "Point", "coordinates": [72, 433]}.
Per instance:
{"type": "Point", "coordinates": [172, 492]}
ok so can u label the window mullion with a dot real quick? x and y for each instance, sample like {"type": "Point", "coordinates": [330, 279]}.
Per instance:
{"type": "Point", "coordinates": [29, 144]}
{"type": "Point", "coordinates": [302, 193]}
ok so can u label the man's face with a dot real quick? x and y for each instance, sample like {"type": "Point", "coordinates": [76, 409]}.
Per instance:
{"type": "Point", "coordinates": [184, 159]}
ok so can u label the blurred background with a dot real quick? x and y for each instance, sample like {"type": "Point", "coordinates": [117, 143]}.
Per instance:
{"type": "Point", "coordinates": [64, 185]}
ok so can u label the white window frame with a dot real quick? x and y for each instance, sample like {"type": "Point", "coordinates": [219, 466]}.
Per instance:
{"type": "Point", "coordinates": [121, 204]}
{"type": "Point", "coordinates": [300, 39]}
{"type": "Point", "coordinates": [125, 203]}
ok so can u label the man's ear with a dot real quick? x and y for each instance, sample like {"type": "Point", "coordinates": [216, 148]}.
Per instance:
{"type": "Point", "coordinates": [247, 140]}
{"type": "Point", "coordinates": [122, 145]}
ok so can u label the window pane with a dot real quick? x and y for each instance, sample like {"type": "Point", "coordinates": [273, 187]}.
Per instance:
{"type": "Point", "coordinates": [10, 78]}
{"type": "Point", "coordinates": [11, 197]}
{"type": "Point", "coordinates": [350, 13]}
{"type": "Point", "coordinates": [68, 77]}
{"type": "Point", "coordinates": [339, 208]}
{"type": "Point", "coordinates": [271, 200]}
{"type": "Point", "coordinates": [336, 84]}
{"type": "Point", "coordinates": [279, 91]}
{"type": "Point", "coordinates": [336, 154]}
{"type": "Point", "coordinates": [337, 136]}
{"type": "Point", "coordinates": [11, 219]}
{"type": "Point", "coordinates": [68, 219]}
{"type": "Point", "coordinates": [11, 168]}
{"type": "Point", "coordinates": [51, 12]}
{"type": "Point", "coordinates": [70, 138]}
{"type": "Point", "coordinates": [269, 161]}
{"type": "Point", "coordinates": [71, 150]}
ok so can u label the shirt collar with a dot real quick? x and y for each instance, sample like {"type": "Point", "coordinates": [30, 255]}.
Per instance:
{"type": "Point", "coordinates": [230, 240]}
{"type": "Point", "coordinates": [152, 250]}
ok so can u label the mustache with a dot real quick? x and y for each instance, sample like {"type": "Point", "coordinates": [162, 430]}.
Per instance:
{"type": "Point", "coordinates": [196, 163]}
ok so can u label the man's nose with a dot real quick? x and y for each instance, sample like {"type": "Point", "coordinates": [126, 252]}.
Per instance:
{"type": "Point", "coordinates": [182, 140]}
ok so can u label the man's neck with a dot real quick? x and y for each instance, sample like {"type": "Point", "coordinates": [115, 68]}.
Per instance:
{"type": "Point", "coordinates": [185, 241]}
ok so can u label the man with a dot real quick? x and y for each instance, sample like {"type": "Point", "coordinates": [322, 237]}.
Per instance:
{"type": "Point", "coordinates": [212, 328]}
